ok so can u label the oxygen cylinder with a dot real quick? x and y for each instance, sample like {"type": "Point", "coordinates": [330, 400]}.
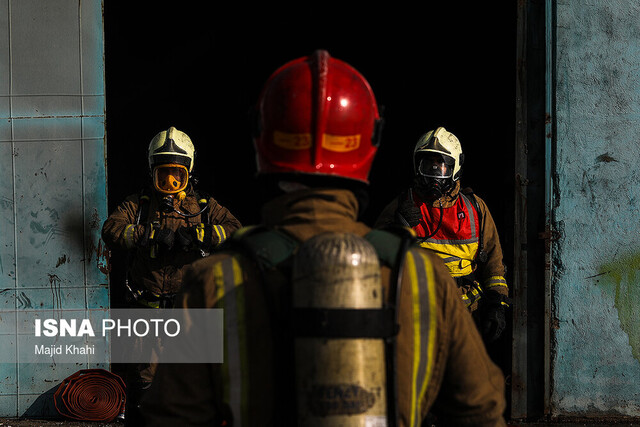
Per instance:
{"type": "Point", "coordinates": [340, 381]}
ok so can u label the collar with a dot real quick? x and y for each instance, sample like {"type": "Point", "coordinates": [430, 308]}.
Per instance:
{"type": "Point", "coordinates": [309, 211]}
{"type": "Point", "coordinates": [446, 200]}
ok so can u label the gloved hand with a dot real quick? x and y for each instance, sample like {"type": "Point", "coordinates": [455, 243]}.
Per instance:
{"type": "Point", "coordinates": [165, 239]}
{"type": "Point", "coordinates": [145, 235]}
{"type": "Point", "coordinates": [184, 238]}
{"type": "Point", "coordinates": [492, 321]}
{"type": "Point", "coordinates": [203, 234]}
{"type": "Point", "coordinates": [408, 211]}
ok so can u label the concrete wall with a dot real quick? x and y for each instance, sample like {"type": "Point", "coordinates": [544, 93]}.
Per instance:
{"type": "Point", "coordinates": [596, 200]}
{"type": "Point", "coordinates": [53, 197]}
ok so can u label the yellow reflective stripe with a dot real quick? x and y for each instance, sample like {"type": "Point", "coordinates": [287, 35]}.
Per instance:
{"type": "Point", "coordinates": [128, 235]}
{"type": "Point", "coordinates": [494, 281]}
{"type": "Point", "coordinates": [424, 324]}
{"type": "Point", "coordinates": [154, 248]}
{"type": "Point", "coordinates": [215, 227]}
{"type": "Point", "coordinates": [433, 319]}
{"type": "Point", "coordinates": [224, 233]}
{"type": "Point", "coordinates": [236, 392]}
{"type": "Point", "coordinates": [457, 257]}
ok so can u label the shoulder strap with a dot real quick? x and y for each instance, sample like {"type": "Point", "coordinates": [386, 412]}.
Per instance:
{"type": "Point", "coordinates": [202, 198]}
{"type": "Point", "coordinates": [392, 243]}
{"type": "Point", "coordinates": [469, 194]}
{"type": "Point", "coordinates": [143, 206]}
{"type": "Point", "coordinates": [269, 248]}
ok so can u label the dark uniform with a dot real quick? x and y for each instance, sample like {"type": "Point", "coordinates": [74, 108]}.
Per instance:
{"type": "Point", "coordinates": [160, 231]}
{"type": "Point", "coordinates": [440, 357]}
{"type": "Point", "coordinates": [153, 271]}
{"type": "Point", "coordinates": [457, 225]}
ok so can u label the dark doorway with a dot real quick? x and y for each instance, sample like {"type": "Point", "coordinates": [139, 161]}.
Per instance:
{"type": "Point", "coordinates": [200, 69]}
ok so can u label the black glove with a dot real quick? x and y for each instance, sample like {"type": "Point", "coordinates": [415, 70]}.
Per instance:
{"type": "Point", "coordinates": [165, 239]}
{"type": "Point", "coordinates": [143, 240]}
{"type": "Point", "coordinates": [203, 235]}
{"type": "Point", "coordinates": [184, 238]}
{"type": "Point", "coordinates": [408, 211]}
{"type": "Point", "coordinates": [492, 320]}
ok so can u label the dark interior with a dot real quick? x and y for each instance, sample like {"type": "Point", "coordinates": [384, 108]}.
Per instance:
{"type": "Point", "coordinates": [200, 69]}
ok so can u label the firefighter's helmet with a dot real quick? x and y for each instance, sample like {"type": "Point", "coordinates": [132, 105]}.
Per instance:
{"type": "Point", "coordinates": [437, 161]}
{"type": "Point", "coordinates": [317, 115]}
{"type": "Point", "coordinates": [171, 156]}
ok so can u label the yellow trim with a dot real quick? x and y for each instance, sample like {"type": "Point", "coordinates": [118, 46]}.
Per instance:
{"type": "Point", "coordinates": [462, 255]}
{"type": "Point", "coordinates": [200, 232]}
{"type": "Point", "coordinates": [128, 235]}
{"type": "Point", "coordinates": [218, 233]}
{"type": "Point", "coordinates": [413, 275]}
{"type": "Point", "coordinates": [433, 319]}
{"type": "Point", "coordinates": [418, 395]}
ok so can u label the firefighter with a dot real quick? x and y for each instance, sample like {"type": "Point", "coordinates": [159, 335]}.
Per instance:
{"type": "Point", "coordinates": [160, 230]}
{"type": "Point", "coordinates": [456, 224]}
{"type": "Point", "coordinates": [300, 283]}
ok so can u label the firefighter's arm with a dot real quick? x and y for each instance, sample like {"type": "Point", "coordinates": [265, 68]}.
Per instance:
{"type": "Point", "coordinates": [222, 223]}
{"type": "Point", "coordinates": [471, 386]}
{"type": "Point", "coordinates": [493, 271]}
{"type": "Point", "coordinates": [388, 215]}
{"type": "Point", "coordinates": [120, 230]}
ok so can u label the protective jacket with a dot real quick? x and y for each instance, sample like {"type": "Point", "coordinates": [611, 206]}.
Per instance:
{"type": "Point", "coordinates": [151, 268]}
{"type": "Point", "coordinates": [439, 353]}
{"type": "Point", "coordinates": [467, 239]}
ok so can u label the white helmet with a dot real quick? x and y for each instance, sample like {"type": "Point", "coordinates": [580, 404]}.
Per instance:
{"type": "Point", "coordinates": [441, 142]}
{"type": "Point", "coordinates": [171, 156]}
{"type": "Point", "coordinates": [437, 162]}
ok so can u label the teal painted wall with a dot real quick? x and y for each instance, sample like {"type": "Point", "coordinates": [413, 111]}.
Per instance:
{"type": "Point", "coordinates": [53, 196]}
{"type": "Point", "coordinates": [596, 260]}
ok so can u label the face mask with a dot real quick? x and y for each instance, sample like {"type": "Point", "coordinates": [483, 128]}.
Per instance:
{"type": "Point", "coordinates": [170, 179]}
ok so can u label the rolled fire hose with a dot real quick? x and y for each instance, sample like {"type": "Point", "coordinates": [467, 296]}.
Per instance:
{"type": "Point", "coordinates": [91, 395]}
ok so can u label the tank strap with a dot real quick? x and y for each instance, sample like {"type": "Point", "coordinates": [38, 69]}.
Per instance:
{"type": "Point", "coordinates": [143, 206]}
{"type": "Point", "coordinates": [267, 247]}
{"type": "Point", "coordinates": [469, 195]}
{"type": "Point", "coordinates": [203, 201]}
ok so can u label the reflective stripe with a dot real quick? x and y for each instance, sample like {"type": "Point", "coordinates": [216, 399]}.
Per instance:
{"type": "Point", "coordinates": [472, 215]}
{"type": "Point", "coordinates": [200, 232]}
{"type": "Point", "coordinates": [457, 257]}
{"type": "Point", "coordinates": [494, 281]}
{"type": "Point", "coordinates": [457, 241]}
{"type": "Point", "coordinates": [128, 235]}
{"type": "Point", "coordinates": [224, 234]}
{"type": "Point", "coordinates": [215, 227]}
{"type": "Point", "coordinates": [424, 327]}
{"type": "Point", "coordinates": [472, 295]}
{"type": "Point", "coordinates": [235, 334]}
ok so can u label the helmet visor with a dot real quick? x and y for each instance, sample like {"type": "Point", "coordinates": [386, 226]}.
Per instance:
{"type": "Point", "coordinates": [436, 165]}
{"type": "Point", "coordinates": [170, 179]}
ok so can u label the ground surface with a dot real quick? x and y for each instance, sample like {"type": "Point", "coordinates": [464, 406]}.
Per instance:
{"type": "Point", "coordinates": [10, 422]}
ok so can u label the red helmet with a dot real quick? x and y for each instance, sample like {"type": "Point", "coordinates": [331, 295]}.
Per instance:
{"type": "Point", "coordinates": [317, 115]}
